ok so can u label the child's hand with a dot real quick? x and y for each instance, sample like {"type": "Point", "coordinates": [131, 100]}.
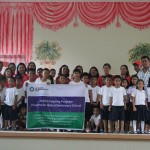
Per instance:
{"type": "Point", "coordinates": [101, 106]}
{"type": "Point", "coordinates": [134, 109]}
{"type": "Point", "coordinates": [109, 108]}
{"type": "Point", "coordinates": [125, 107]}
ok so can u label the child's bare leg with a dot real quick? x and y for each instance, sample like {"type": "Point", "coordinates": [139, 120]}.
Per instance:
{"type": "Point", "coordinates": [5, 124]}
{"type": "Point", "coordinates": [14, 124]}
{"type": "Point", "coordinates": [111, 126]}
{"type": "Point", "coordinates": [116, 126]}
{"type": "Point", "coordinates": [122, 126]}
{"type": "Point", "coordinates": [105, 126]}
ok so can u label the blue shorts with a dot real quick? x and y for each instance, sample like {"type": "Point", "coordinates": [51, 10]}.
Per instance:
{"type": "Point", "coordinates": [10, 113]}
{"type": "Point", "coordinates": [105, 113]}
{"type": "Point", "coordinates": [117, 113]}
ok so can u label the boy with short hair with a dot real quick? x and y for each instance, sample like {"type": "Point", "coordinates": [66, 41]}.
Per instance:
{"type": "Point", "coordinates": [88, 97]}
{"type": "Point", "coordinates": [105, 102]}
{"type": "Point", "coordinates": [118, 104]}
{"type": "Point", "coordinates": [20, 90]}
{"type": "Point", "coordinates": [62, 79]}
{"type": "Point", "coordinates": [76, 77]}
{"type": "Point", "coordinates": [11, 96]}
{"type": "Point", "coordinates": [44, 80]}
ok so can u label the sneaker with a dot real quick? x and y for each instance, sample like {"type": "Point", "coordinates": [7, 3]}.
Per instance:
{"type": "Point", "coordinates": [101, 131]}
{"type": "Point", "coordinates": [13, 129]}
{"type": "Point", "coordinates": [138, 131]}
{"type": "Point", "coordinates": [121, 132]}
{"type": "Point", "coordinates": [4, 129]}
{"type": "Point", "coordinates": [116, 131]}
{"type": "Point", "coordinates": [131, 132]}
{"type": "Point", "coordinates": [143, 132]}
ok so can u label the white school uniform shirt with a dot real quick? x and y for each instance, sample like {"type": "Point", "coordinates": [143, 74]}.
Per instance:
{"type": "Point", "coordinates": [104, 92]}
{"type": "Point", "coordinates": [95, 92]}
{"type": "Point", "coordinates": [148, 93]}
{"type": "Point", "coordinates": [117, 95]}
{"type": "Point", "coordinates": [25, 86]}
{"type": "Point", "coordinates": [95, 119]}
{"type": "Point", "coordinates": [10, 96]}
{"type": "Point", "coordinates": [2, 95]}
{"type": "Point", "coordinates": [87, 89]}
{"type": "Point", "coordinates": [39, 81]}
{"type": "Point", "coordinates": [130, 90]}
{"type": "Point", "coordinates": [140, 97]}
{"type": "Point", "coordinates": [21, 93]}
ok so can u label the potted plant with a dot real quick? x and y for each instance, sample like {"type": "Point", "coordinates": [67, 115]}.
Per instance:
{"type": "Point", "coordinates": [141, 49]}
{"type": "Point", "coordinates": [48, 53]}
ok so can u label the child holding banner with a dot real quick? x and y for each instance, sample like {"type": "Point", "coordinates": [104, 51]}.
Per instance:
{"type": "Point", "coordinates": [31, 75]}
{"type": "Point", "coordinates": [44, 80]}
{"type": "Point", "coordinates": [88, 97]}
{"type": "Point", "coordinates": [76, 77]}
{"type": "Point", "coordinates": [20, 90]}
{"type": "Point", "coordinates": [95, 90]}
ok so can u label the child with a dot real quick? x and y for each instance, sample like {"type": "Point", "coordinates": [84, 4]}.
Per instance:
{"type": "Point", "coordinates": [105, 101]}
{"type": "Point", "coordinates": [21, 92]}
{"type": "Point", "coordinates": [118, 104]}
{"type": "Point", "coordinates": [125, 84]}
{"type": "Point", "coordinates": [22, 119]}
{"type": "Point", "coordinates": [44, 80]}
{"type": "Point", "coordinates": [11, 96]}
{"type": "Point", "coordinates": [76, 77]}
{"type": "Point", "coordinates": [95, 90]}
{"type": "Point", "coordinates": [2, 98]}
{"type": "Point", "coordinates": [31, 75]}
{"type": "Point", "coordinates": [52, 73]}
{"type": "Point", "coordinates": [39, 72]}
{"type": "Point", "coordinates": [95, 120]}
{"type": "Point", "coordinates": [62, 79]}
{"type": "Point", "coordinates": [130, 90]}
{"type": "Point", "coordinates": [139, 106]}
{"type": "Point", "coordinates": [88, 97]}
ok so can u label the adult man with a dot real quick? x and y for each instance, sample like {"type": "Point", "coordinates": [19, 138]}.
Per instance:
{"type": "Point", "coordinates": [144, 73]}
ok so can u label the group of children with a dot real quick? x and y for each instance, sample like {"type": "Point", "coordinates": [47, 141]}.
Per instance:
{"type": "Point", "coordinates": [117, 106]}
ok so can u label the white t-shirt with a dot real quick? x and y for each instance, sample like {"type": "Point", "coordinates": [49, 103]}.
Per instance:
{"type": "Point", "coordinates": [87, 89]}
{"type": "Point", "coordinates": [104, 92]}
{"type": "Point", "coordinates": [10, 96]}
{"type": "Point", "coordinates": [130, 90]}
{"type": "Point", "coordinates": [148, 93]}
{"type": "Point", "coordinates": [39, 81]}
{"type": "Point", "coordinates": [95, 119]}
{"type": "Point", "coordinates": [2, 95]}
{"type": "Point", "coordinates": [117, 95]}
{"type": "Point", "coordinates": [25, 86]}
{"type": "Point", "coordinates": [76, 83]}
{"type": "Point", "coordinates": [21, 93]}
{"type": "Point", "coordinates": [95, 92]}
{"type": "Point", "coordinates": [140, 97]}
